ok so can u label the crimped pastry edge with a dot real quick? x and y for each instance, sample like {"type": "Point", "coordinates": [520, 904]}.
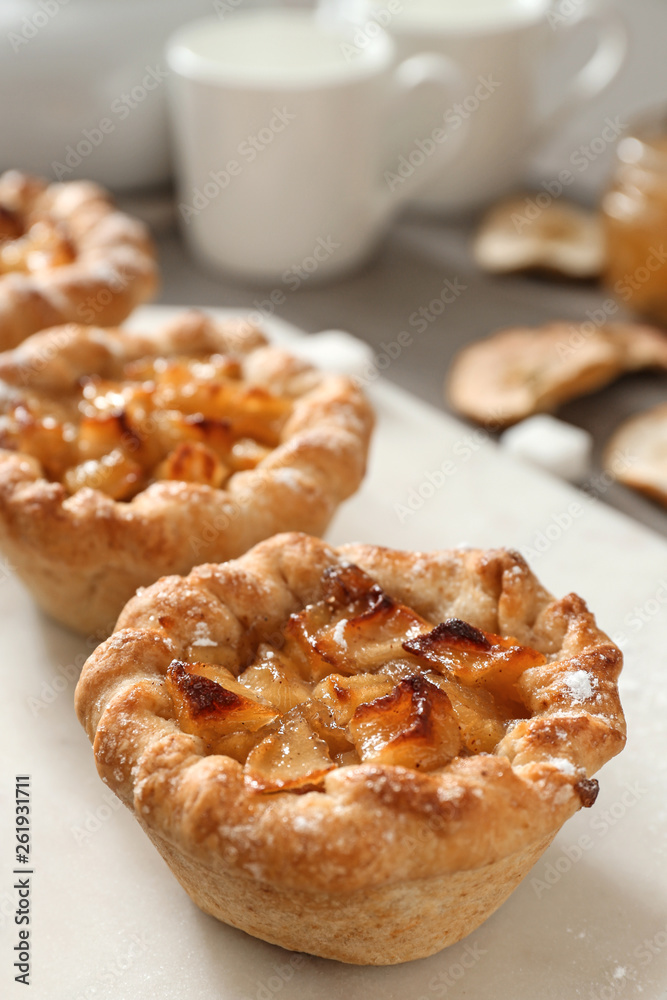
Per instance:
{"type": "Point", "coordinates": [114, 271]}
{"type": "Point", "coordinates": [83, 556]}
{"type": "Point", "coordinates": [375, 828]}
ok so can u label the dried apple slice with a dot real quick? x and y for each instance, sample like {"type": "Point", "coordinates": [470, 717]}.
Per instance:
{"type": "Point", "coordinates": [211, 704]}
{"type": "Point", "coordinates": [562, 237]}
{"type": "Point", "coordinates": [291, 758]}
{"type": "Point", "coordinates": [413, 726]}
{"type": "Point", "coordinates": [476, 658]}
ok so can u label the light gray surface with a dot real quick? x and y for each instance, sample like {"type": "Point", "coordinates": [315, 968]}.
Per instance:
{"type": "Point", "coordinates": [408, 272]}
{"type": "Point", "coordinates": [111, 923]}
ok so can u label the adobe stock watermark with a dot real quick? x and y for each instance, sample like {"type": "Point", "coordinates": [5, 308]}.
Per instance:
{"type": "Point", "coordinates": [132, 948]}
{"type": "Point", "coordinates": [284, 972]}
{"type": "Point", "coordinates": [379, 20]}
{"type": "Point", "coordinates": [419, 321]}
{"type": "Point", "coordinates": [95, 819]}
{"type": "Point", "coordinates": [580, 159]}
{"type": "Point", "coordinates": [618, 977]}
{"type": "Point", "coordinates": [641, 614]}
{"type": "Point", "coordinates": [450, 978]}
{"type": "Point", "coordinates": [580, 333]}
{"type": "Point", "coordinates": [562, 13]}
{"type": "Point", "coordinates": [437, 478]}
{"type": "Point", "coordinates": [224, 7]}
{"type": "Point", "coordinates": [247, 150]}
{"type": "Point", "coordinates": [118, 280]}
{"type": "Point", "coordinates": [120, 109]}
{"type": "Point", "coordinates": [292, 279]}
{"type": "Point", "coordinates": [66, 674]}
{"type": "Point", "coordinates": [592, 491]}
{"type": "Point", "coordinates": [599, 825]}
{"type": "Point", "coordinates": [32, 23]}
{"type": "Point", "coordinates": [7, 570]}
{"type": "Point", "coordinates": [453, 119]}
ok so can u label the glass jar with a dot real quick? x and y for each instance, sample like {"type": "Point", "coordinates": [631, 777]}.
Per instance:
{"type": "Point", "coordinates": [634, 211]}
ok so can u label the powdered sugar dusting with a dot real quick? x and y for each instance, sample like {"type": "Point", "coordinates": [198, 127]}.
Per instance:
{"type": "Point", "coordinates": [201, 635]}
{"type": "Point", "coordinates": [339, 634]}
{"type": "Point", "coordinates": [580, 685]}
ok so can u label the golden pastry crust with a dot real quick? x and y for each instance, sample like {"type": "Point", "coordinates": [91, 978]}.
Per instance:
{"type": "Point", "coordinates": [381, 863]}
{"type": "Point", "coordinates": [525, 370]}
{"type": "Point", "coordinates": [642, 441]}
{"type": "Point", "coordinates": [82, 551]}
{"type": "Point", "coordinates": [67, 255]}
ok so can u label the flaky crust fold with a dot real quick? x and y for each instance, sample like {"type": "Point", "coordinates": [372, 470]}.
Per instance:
{"type": "Point", "coordinates": [83, 556]}
{"type": "Point", "coordinates": [114, 269]}
{"type": "Point", "coordinates": [376, 834]}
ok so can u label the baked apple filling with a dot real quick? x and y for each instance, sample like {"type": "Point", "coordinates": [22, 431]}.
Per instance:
{"type": "Point", "coordinates": [357, 677]}
{"type": "Point", "coordinates": [43, 246]}
{"type": "Point", "coordinates": [185, 418]}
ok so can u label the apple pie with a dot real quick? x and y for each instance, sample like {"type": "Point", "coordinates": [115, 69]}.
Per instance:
{"type": "Point", "coordinates": [125, 457]}
{"type": "Point", "coordinates": [353, 752]}
{"type": "Point", "coordinates": [67, 255]}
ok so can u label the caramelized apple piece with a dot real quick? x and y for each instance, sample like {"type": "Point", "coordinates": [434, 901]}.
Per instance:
{"type": "Point", "coordinates": [323, 724]}
{"type": "Point", "coordinates": [413, 726]}
{"type": "Point", "coordinates": [476, 658]}
{"type": "Point", "coordinates": [43, 246]}
{"type": "Point", "coordinates": [247, 454]}
{"type": "Point", "coordinates": [180, 371]}
{"type": "Point", "coordinates": [252, 411]}
{"type": "Point", "coordinates": [343, 695]}
{"type": "Point", "coordinates": [211, 704]}
{"type": "Point", "coordinates": [303, 648]}
{"type": "Point", "coordinates": [481, 721]}
{"type": "Point", "coordinates": [193, 462]}
{"type": "Point", "coordinates": [356, 627]}
{"type": "Point", "coordinates": [291, 758]}
{"type": "Point", "coordinates": [100, 435]}
{"type": "Point", "coordinates": [46, 440]}
{"type": "Point", "coordinates": [275, 679]}
{"type": "Point", "coordinates": [114, 474]}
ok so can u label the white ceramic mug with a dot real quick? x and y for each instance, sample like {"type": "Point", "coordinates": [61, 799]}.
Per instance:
{"type": "Point", "coordinates": [280, 124]}
{"type": "Point", "coordinates": [504, 47]}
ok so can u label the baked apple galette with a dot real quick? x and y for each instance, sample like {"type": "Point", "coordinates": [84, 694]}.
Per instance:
{"type": "Point", "coordinates": [67, 255]}
{"type": "Point", "coordinates": [124, 457]}
{"type": "Point", "coordinates": [353, 752]}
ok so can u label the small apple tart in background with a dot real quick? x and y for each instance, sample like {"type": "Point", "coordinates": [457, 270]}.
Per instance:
{"type": "Point", "coordinates": [353, 752]}
{"type": "Point", "coordinates": [67, 255]}
{"type": "Point", "coordinates": [125, 457]}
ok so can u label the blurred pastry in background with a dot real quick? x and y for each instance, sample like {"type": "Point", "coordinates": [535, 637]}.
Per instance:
{"type": "Point", "coordinates": [67, 255]}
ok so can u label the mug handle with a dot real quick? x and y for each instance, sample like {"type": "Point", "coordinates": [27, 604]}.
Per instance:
{"type": "Point", "coordinates": [404, 178]}
{"type": "Point", "coordinates": [598, 73]}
